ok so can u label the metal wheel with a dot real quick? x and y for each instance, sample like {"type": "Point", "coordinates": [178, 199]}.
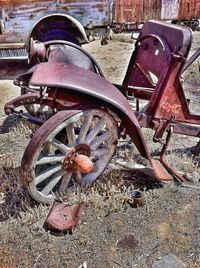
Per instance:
{"type": "Point", "coordinates": [50, 164]}
{"type": "Point", "coordinates": [193, 24]}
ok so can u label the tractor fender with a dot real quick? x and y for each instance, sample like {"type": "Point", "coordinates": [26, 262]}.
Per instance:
{"type": "Point", "coordinates": [82, 83]}
{"type": "Point", "coordinates": [58, 26]}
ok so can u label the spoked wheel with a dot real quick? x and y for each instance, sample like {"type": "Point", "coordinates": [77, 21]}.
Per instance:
{"type": "Point", "coordinates": [71, 148]}
{"type": "Point", "coordinates": [193, 24]}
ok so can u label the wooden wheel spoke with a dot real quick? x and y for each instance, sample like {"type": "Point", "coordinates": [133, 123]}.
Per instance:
{"type": "Point", "coordinates": [78, 177]}
{"type": "Point", "coordinates": [84, 129]}
{"type": "Point", "coordinates": [99, 140]}
{"type": "Point", "coordinates": [40, 109]}
{"type": "Point", "coordinates": [91, 177]}
{"type": "Point", "coordinates": [52, 183]}
{"type": "Point", "coordinates": [47, 173]}
{"type": "Point", "coordinates": [65, 181]}
{"type": "Point", "coordinates": [34, 108]}
{"type": "Point", "coordinates": [100, 152]}
{"type": "Point", "coordinates": [55, 139]}
{"type": "Point", "coordinates": [71, 135]}
{"type": "Point", "coordinates": [50, 160]}
{"type": "Point", "coordinates": [98, 127]}
{"type": "Point", "coordinates": [60, 146]}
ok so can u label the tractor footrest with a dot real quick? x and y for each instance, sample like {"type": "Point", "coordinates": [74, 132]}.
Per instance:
{"type": "Point", "coordinates": [160, 172]}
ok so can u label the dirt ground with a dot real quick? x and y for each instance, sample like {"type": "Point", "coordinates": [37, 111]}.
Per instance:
{"type": "Point", "coordinates": [110, 233]}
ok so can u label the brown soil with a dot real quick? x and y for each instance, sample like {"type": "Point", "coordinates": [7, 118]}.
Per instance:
{"type": "Point", "coordinates": [110, 232]}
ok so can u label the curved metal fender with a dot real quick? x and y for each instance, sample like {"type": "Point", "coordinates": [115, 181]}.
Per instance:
{"type": "Point", "coordinates": [78, 81]}
{"type": "Point", "coordinates": [82, 37]}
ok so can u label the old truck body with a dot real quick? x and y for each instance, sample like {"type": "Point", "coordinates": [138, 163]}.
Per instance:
{"type": "Point", "coordinates": [20, 20]}
{"type": "Point", "coordinates": [18, 17]}
{"type": "Point", "coordinates": [59, 20]}
{"type": "Point", "coordinates": [81, 115]}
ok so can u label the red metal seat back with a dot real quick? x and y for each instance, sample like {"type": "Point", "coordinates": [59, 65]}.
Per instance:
{"type": "Point", "coordinates": [154, 47]}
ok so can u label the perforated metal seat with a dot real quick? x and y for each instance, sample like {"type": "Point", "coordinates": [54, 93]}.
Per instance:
{"type": "Point", "coordinates": [153, 50]}
{"type": "Point", "coordinates": [70, 55]}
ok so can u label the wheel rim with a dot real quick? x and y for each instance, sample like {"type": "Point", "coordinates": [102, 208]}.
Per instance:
{"type": "Point", "coordinates": [193, 24]}
{"type": "Point", "coordinates": [93, 133]}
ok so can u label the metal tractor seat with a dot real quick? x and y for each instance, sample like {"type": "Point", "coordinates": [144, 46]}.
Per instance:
{"type": "Point", "coordinates": [153, 52]}
{"type": "Point", "coordinates": [66, 54]}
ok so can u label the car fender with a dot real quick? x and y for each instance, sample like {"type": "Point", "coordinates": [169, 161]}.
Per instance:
{"type": "Point", "coordinates": [54, 22]}
{"type": "Point", "coordinates": [80, 82]}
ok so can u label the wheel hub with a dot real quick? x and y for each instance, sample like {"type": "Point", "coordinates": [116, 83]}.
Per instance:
{"type": "Point", "coordinates": [78, 159]}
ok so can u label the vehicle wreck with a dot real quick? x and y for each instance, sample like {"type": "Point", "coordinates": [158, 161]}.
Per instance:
{"type": "Point", "coordinates": [81, 114]}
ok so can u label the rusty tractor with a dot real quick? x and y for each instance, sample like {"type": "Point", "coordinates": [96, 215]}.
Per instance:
{"type": "Point", "coordinates": [82, 115]}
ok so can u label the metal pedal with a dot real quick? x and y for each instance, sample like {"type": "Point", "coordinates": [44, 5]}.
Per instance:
{"type": "Point", "coordinates": [160, 171]}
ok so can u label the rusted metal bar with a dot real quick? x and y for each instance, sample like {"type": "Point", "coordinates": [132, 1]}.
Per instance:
{"type": "Point", "coordinates": [32, 119]}
{"type": "Point", "coordinates": [137, 92]}
{"type": "Point", "coordinates": [12, 46]}
{"type": "Point", "coordinates": [21, 100]}
{"type": "Point", "coordinates": [191, 60]}
{"type": "Point", "coordinates": [171, 170]}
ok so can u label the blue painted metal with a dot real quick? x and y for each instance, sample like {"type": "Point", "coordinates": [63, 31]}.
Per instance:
{"type": "Point", "coordinates": [19, 16]}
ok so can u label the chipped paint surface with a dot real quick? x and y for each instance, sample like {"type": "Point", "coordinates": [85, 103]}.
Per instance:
{"type": "Point", "coordinates": [169, 9]}
{"type": "Point", "coordinates": [141, 10]}
{"type": "Point", "coordinates": [127, 11]}
{"type": "Point", "coordinates": [180, 9]}
{"type": "Point", "coordinates": [136, 10]}
{"type": "Point", "coordinates": [189, 9]}
{"type": "Point", "coordinates": [19, 16]}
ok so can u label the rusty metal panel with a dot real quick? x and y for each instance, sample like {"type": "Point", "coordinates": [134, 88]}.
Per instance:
{"type": "Point", "coordinates": [87, 11]}
{"type": "Point", "coordinates": [128, 11]}
{"type": "Point", "coordinates": [180, 9]}
{"type": "Point", "coordinates": [151, 9]}
{"type": "Point", "coordinates": [141, 10]}
{"type": "Point", "coordinates": [19, 16]}
{"type": "Point", "coordinates": [189, 9]}
{"type": "Point", "coordinates": [136, 10]}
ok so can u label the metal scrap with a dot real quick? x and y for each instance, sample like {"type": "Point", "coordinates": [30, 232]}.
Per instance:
{"type": "Point", "coordinates": [137, 199]}
{"type": "Point", "coordinates": [63, 217]}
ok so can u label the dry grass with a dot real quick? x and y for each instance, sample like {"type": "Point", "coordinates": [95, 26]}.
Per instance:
{"type": "Point", "coordinates": [167, 223]}
{"type": "Point", "coordinates": [124, 38]}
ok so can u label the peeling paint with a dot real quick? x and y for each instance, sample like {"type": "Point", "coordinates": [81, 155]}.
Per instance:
{"type": "Point", "coordinates": [135, 11]}
{"type": "Point", "coordinates": [19, 16]}
{"type": "Point", "coordinates": [169, 9]}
